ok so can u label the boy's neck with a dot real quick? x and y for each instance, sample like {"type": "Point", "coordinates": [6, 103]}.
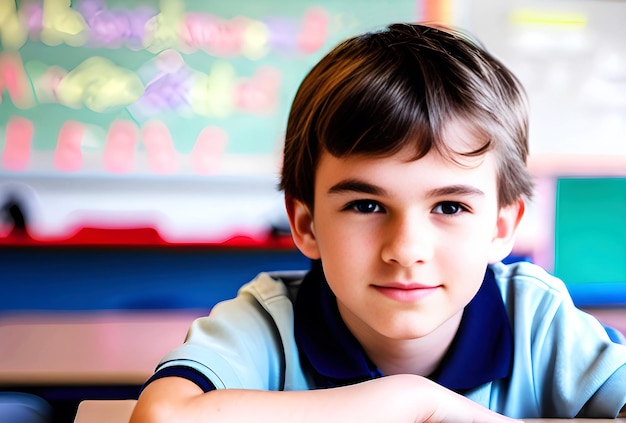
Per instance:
{"type": "Point", "coordinates": [416, 356]}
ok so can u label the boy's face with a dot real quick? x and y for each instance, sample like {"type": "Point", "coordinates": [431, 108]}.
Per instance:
{"type": "Point", "coordinates": [404, 244]}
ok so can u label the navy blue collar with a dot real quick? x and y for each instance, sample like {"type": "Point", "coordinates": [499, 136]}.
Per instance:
{"type": "Point", "coordinates": [480, 352]}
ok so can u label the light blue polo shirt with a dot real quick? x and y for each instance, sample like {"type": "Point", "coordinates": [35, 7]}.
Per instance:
{"type": "Point", "coordinates": [522, 348]}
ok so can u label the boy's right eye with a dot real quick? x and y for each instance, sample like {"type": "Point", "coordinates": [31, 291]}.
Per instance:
{"type": "Point", "coordinates": [364, 206]}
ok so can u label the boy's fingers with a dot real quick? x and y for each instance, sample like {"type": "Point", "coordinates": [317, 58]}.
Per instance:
{"type": "Point", "coordinates": [461, 409]}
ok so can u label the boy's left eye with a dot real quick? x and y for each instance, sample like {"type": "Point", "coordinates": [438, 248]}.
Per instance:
{"type": "Point", "coordinates": [365, 206]}
{"type": "Point", "coordinates": [449, 207]}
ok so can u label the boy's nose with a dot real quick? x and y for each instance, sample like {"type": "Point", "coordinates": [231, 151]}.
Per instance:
{"type": "Point", "coordinates": [407, 241]}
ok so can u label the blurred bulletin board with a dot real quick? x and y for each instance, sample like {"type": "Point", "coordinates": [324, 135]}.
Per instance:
{"type": "Point", "coordinates": [168, 114]}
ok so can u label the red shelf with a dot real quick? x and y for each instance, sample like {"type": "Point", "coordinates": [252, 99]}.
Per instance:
{"type": "Point", "coordinates": [141, 237]}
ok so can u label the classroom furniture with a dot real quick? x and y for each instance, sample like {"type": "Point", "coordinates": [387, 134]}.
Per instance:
{"type": "Point", "coordinates": [92, 322]}
{"type": "Point", "coordinates": [108, 348]}
{"type": "Point", "coordinates": [111, 347]}
{"type": "Point", "coordinates": [128, 278]}
{"type": "Point", "coordinates": [65, 358]}
{"type": "Point", "coordinates": [103, 411]}
{"type": "Point", "coordinates": [105, 355]}
{"type": "Point", "coordinates": [18, 407]}
{"type": "Point", "coordinates": [87, 348]}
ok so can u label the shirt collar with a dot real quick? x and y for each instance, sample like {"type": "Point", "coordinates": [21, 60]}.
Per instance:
{"type": "Point", "coordinates": [333, 354]}
{"type": "Point", "coordinates": [480, 352]}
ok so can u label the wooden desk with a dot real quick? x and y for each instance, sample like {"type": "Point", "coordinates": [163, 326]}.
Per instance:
{"type": "Point", "coordinates": [109, 347]}
{"type": "Point", "coordinates": [93, 348]}
{"type": "Point", "coordinates": [65, 358]}
{"type": "Point", "coordinates": [117, 411]}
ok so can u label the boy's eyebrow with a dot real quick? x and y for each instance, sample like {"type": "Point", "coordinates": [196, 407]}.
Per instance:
{"type": "Point", "coordinates": [358, 186]}
{"type": "Point", "coordinates": [455, 190]}
{"type": "Point", "coordinates": [355, 185]}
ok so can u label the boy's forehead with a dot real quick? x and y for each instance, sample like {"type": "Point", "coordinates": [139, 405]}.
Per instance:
{"type": "Point", "coordinates": [405, 156]}
{"type": "Point", "coordinates": [458, 141]}
{"type": "Point", "coordinates": [382, 167]}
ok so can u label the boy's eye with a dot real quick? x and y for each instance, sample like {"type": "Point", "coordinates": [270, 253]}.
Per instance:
{"type": "Point", "coordinates": [448, 207]}
{"type": "Point", "coordinates": [365, 206]}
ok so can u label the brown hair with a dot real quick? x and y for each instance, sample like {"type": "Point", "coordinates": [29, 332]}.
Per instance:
{"type": "Point", "coordinates": [376, 93]}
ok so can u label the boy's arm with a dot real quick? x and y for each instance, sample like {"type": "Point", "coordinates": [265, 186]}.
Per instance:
{"type": "Point", "coordinates": [398, 399]}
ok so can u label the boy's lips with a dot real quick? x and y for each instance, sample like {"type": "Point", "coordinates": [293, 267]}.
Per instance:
{"type": "Point", "coordinates": [406, 292]}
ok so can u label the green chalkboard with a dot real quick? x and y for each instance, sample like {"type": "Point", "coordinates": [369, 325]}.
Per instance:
{"type": "Point", "coordinates": [174, 87]}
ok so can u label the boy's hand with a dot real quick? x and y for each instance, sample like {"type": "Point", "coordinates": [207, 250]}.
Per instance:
{"type": "Point", "coordinates": [440, 405]}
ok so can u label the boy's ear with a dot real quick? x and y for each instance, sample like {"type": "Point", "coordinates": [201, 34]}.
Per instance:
{"type": "Point", "coordinates": [302, 229]}
{"type": "Point", "coordinates": [509, 218]}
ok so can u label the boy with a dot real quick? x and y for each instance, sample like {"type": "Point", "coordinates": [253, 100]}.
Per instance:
{"type": "Point", "coordinates": [404, 177]}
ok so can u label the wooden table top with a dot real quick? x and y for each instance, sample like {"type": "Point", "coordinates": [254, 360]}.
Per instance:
{"type": "Point", "coordinates": [87, 348]}
{"type": "Point", "coordinates": [109, 347]}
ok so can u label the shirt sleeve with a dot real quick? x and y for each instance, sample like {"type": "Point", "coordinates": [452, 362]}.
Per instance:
{"type": "Point", "coordinates": [565, 363]}
{"type": "Point", "coordinates": [236, 346]}
{"type": "Point", "coordinates": [185, 372]}
{"type": "Point", "coordinates": [584, 369]}
{"type": "Point", "coordinates": [610, 396]}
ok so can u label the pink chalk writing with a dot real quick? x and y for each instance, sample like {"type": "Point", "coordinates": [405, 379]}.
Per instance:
{"type": "Point", "coordinates": [13, 78]}
{"type": "Point", "coordinates": [16, 154]}
{"type": "Point", "coordinates": [259, 94]}
{"type": "Point", "coordinates": [120, 146]}
{"type": "Point", "coordinates": [220, 37]}
{"type": "Point", "coordinates": [157, 139]}
{"type": "Point", "coordinates": [68, 156]}
{"type": "Point", "coordinates": [207, 153]}
{"type": "Point", "coordinates": [314, 30]}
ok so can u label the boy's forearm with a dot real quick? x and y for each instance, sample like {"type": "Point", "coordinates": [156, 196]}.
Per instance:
{"type": "Point", "coordinates": [402, 398]}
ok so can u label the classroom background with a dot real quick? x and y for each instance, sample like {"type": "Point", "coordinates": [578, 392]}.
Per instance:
{"type": "Point", "coordinates": [140, 145]}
